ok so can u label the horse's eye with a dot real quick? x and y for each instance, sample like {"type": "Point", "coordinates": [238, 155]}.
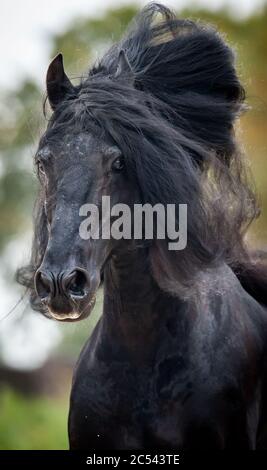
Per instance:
{"type": "Point", "coordinates": [40, 167]}
{"type": "Point", "coordinates": [118, 164]}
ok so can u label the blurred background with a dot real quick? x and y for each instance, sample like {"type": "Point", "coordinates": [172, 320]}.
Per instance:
{"type": "Point", "coordinates": [37, 355]}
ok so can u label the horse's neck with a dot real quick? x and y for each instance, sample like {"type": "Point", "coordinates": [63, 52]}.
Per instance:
{"type": "Point", "coordinates": [137, 312]}
{"type": "Point", "coordinates": [129, 282]}
{"type": "Point", "coordinates": [135, 309]}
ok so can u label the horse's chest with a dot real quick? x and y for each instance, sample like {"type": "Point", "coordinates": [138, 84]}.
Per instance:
{"type": "Point", "coordinates": [174, 404]}
{"type": "Point", "coordinates": [125, 410]}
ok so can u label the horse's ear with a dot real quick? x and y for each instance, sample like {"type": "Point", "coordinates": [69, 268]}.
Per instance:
{"type": "Point", "coordinates": [58, 85]}
{"type": "Point", "coordinates": [124, 69]}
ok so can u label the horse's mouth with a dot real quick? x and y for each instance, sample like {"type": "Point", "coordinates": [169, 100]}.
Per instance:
{"type": "Point", "coordinates": [74, 315]}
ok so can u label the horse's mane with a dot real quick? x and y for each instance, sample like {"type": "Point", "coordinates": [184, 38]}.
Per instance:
{"type": "Point", "coordinates": [173, 119]}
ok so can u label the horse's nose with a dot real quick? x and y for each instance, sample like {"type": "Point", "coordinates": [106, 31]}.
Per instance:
{"type": "Point", "coordinates": [44, 284]}
{"type": "Point", "coordinates": [73, 284]}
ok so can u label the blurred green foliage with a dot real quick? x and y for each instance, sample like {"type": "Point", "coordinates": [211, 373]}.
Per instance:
{"type": "Point", "coordinates": [86, 38]}
{"type": "Point", "coordinates": [32, 423]}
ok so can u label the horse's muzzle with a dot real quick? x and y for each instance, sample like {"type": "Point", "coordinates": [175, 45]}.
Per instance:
{"type": "Point", "coordinates": [67, 295]}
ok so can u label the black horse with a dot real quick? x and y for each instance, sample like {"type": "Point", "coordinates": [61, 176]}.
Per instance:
{"type": "Point", "coordinates": [178, 358]}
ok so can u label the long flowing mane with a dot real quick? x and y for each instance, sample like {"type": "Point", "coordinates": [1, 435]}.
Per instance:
{"type": "Point", "coordinates": [173, 119]}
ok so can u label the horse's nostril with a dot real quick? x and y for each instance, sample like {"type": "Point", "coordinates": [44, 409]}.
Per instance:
{"type": "Point", "coordinates": [75, 284]}
{"type": "Point", "coordinates": [43, 284]}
